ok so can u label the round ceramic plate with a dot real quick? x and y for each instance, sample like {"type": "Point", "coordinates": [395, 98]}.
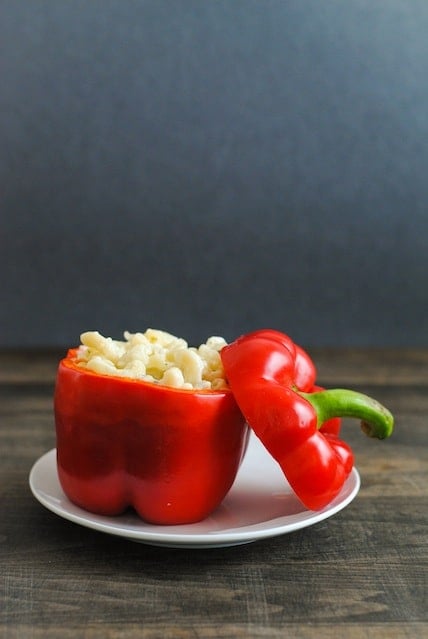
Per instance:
{"type": "Point", "coordinates": [259, 505]}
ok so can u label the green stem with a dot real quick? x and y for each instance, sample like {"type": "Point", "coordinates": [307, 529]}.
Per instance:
{"type": "Point", "coordinates": [376, 420]}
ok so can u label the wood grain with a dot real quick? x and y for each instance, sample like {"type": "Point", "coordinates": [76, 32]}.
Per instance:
{"type": "Point", "coordinates": [361, 574]}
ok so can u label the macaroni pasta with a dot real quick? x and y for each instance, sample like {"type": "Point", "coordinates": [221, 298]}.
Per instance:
{"type": "Point", "coordinates": [155, 356]}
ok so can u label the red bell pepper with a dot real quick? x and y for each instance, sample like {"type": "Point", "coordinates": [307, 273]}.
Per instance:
{"type": "Point", "coordinates": [170, 454]}
{"type": "Point", "coordinates": [304, 372]}
{"type": "Point", "coordinates": [304, 368]}
{"type": "Point", "coordinates": [263, 373]}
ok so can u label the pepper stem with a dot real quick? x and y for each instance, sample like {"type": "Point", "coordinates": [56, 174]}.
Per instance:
{"type": "Point", "coordinates": [376, 420]}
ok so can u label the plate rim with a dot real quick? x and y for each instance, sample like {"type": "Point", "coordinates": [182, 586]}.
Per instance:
{"type": "Point", "coordinates": [247, 534]}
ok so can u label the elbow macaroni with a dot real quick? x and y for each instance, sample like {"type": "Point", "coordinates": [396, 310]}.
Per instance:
{"type": "Point", "coordinates": [155, 356]}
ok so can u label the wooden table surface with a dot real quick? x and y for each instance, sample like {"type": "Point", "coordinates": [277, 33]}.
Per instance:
{"type": "Point", "coordinates": [360, 574]}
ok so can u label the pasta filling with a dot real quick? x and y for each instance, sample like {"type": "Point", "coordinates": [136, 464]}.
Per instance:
{"type": "Point", "coordinates": [155, 356]}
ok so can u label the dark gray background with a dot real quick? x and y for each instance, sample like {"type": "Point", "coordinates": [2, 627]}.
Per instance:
{"type": "Point", "coordinates": [212, 167]}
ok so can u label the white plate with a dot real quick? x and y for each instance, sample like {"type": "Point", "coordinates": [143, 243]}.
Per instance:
{"type": "Point", "coordinates": [260, 504]}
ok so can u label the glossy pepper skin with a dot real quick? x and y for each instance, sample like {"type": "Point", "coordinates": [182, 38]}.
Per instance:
{"type": "Point", "coordinates": [170, 454]}
{"type": "Point", "coordinates": [261, 371]}
{"type": "Point", "coordinates": [304, 372]}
